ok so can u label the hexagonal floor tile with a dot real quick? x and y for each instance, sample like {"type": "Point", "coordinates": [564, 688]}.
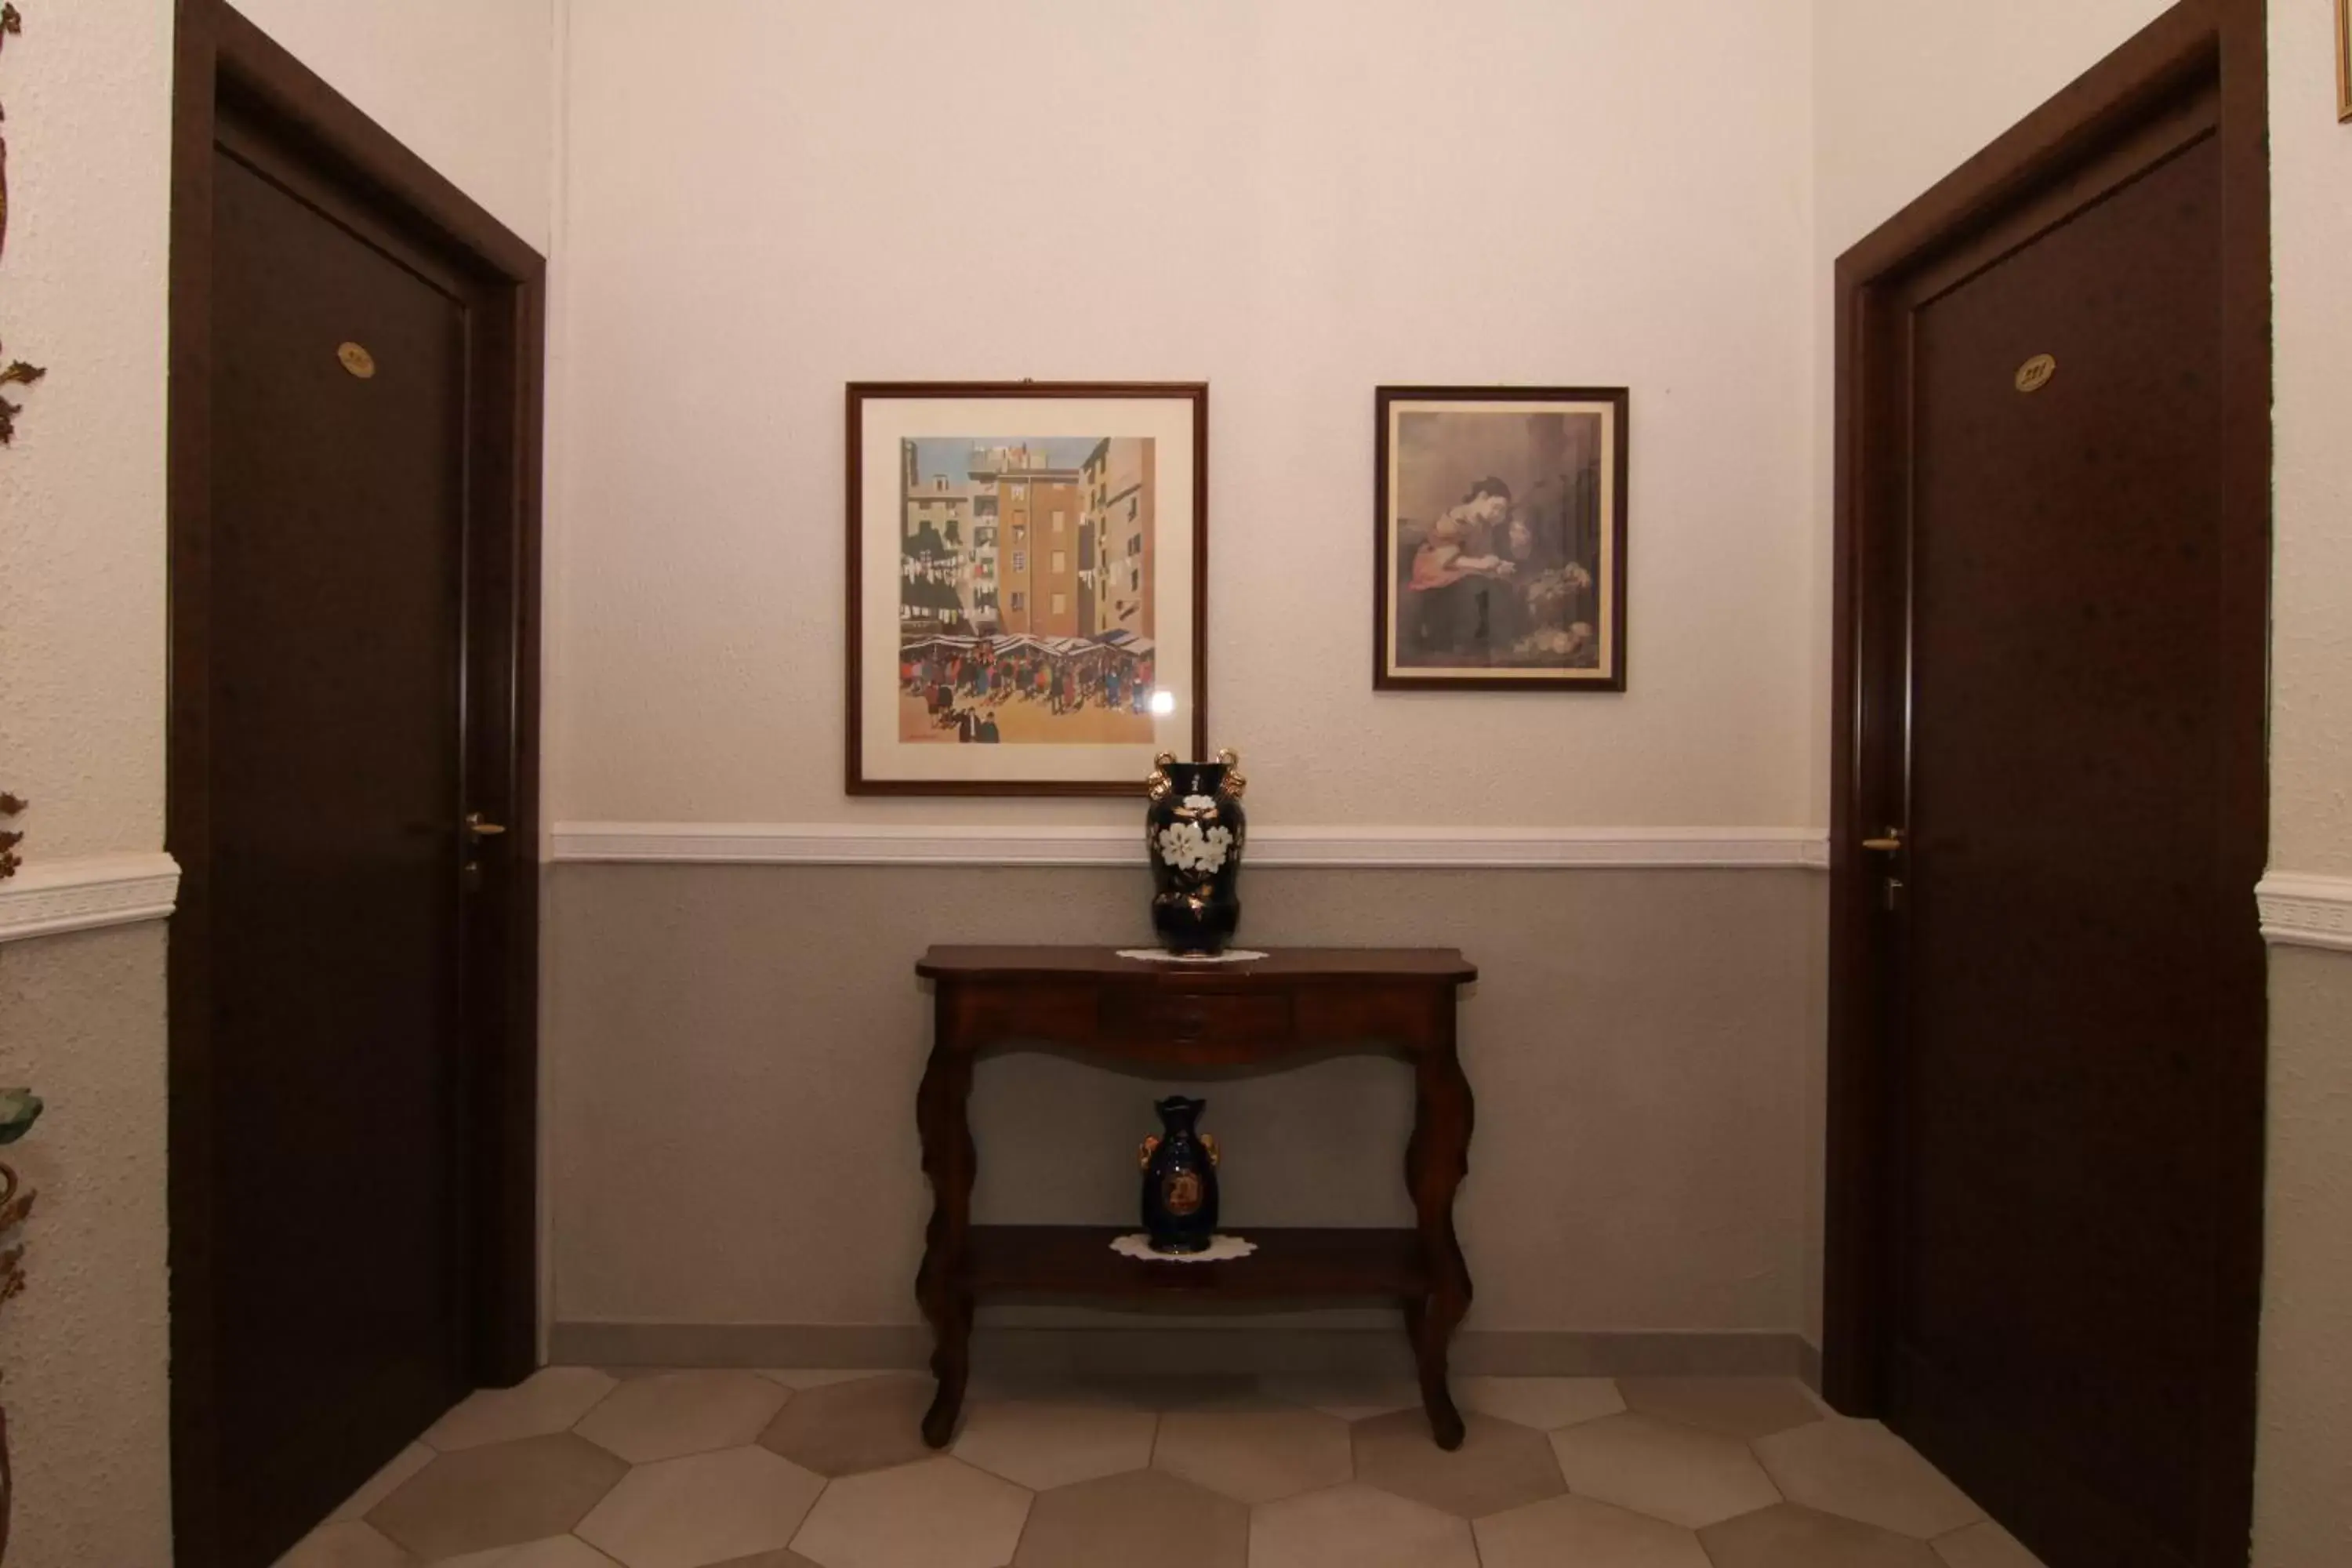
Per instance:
{"type": "Point", "coordinates": [1042, 1445]}
{"type": "Point", "coordinates": [704, 1509]}
{"type": "Point", "coordinates": [1348, 1398]}
{"type": "Point", "coordinates": [1544, 1404]}
{"type": "Point", "coordinates": [548, 1401]}
{"type": "Point", "coordinates": [1213, 1391]}
{"type": "Point", "coordinates": [1255, 1456]}
{"type": "Point", "coordinates": [1985, 1545]}
{"type": "Point", "coordinates": [769, 1560]}
{"type": "Point", "coordinates": [1357, 1526]}
{"type": "Point", "coordinates": [1861, 1470]}
{"type": "Point", "coordinates": [1500, 1465]}
{"type": "Point", "coordinates": [345, 1545]}
{"type": "Point", "coordinates": [1668, 1471]}
{"type": "Point", "coordinates": [820, 1376]}
{"type": "Point", "coordinates": [502, 1494]}
{"type": "Point", "coordinates": [844, 1428]}
{"type": "Point", "coordinates": [669, 1414]}
{"type": "Point", "coordinates": [1790, 1536]}
{"type": "Point", "coordinates": [558, 1551]}
{"type": "Point", "coordinates": [942, 1513]}
{"type": "Point", "coordinates": [1126, 1391]}
{"type": "Point", "coordinates": [1144, 1519]}
{"type": "Point", "coordinates": [1747, 1408]}
{"type": "Point", "coordinates": [1579, 1530]}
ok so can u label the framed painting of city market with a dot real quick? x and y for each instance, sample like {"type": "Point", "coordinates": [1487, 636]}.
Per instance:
{"type": "Point", "coordinates": [1499, 561]}
{"type": "Point", "coordinates": [1028, 566]}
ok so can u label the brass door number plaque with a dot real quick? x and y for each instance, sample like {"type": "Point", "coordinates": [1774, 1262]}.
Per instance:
{"type": "Point", "coordinates": [2035, 373]}
{"type": "Point", "coordinates": [357, 360]}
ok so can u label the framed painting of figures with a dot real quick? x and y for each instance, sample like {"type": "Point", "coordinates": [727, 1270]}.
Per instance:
{"type": "Point", "coordinates": [1028, 571]}
{"type": "Point", "coordinates": [1500, 556]}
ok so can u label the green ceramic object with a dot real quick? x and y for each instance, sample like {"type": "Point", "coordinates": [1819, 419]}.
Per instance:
{"type": "Point", "coordinates": [19, 1109]}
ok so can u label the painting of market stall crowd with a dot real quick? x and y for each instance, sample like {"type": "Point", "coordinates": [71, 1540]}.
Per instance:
{"type": "Point", "coordinates": [1502, 520]}
{"type": "Point", "coordinates": [1026, 611]}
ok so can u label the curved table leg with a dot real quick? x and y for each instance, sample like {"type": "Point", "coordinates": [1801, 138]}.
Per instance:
{"type": "Point", "coordinates": [1436, 1160]}
{"type": "Point", "coordinates": [949, 1158]}
{"type": "Point", "coordinates": [951, 1365]}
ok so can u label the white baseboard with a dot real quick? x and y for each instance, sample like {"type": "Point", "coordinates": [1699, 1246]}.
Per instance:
{"type": "Point", "coordinates": [1353, 848]}
{"type": "Point", "coordinates": [45, 897]}
{"type": "Point", "coordinates": [2306, 912]}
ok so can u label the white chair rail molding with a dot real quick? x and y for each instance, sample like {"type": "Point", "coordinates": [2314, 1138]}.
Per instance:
{"type": "Point", "coordinates": [86, 893]}
{"type": "Point", "coordinates": [2306, 912]}
{"type": "Point", "coordinates": [1338, 848]}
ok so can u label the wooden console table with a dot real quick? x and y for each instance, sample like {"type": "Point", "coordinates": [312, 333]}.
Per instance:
{"type": "Point", "coordinates": [1196, 1015]}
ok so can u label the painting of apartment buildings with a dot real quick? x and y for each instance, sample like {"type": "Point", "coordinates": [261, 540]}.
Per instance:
{"type": "Point", "coordinates": [1027, 590]}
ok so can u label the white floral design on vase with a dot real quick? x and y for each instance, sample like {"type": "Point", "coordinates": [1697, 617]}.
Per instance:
{"type": "Point", "coordinates": [1186, 846]}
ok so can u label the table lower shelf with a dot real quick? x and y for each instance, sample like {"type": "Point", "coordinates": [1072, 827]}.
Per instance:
{"type": "Point", "coordinates": [1290, 1264]}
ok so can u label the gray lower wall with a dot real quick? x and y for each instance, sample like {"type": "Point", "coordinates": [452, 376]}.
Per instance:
{"type": "Point", "coordinates": [733, 1052]}
{"type": "Point", "coordinates": [86, 1349]}
{"type": "Point", "coordinates": [2304, 1473]}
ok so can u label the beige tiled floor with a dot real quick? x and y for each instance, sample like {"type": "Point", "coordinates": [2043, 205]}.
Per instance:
{"type": "Point", "coordinates": [580, 1468]}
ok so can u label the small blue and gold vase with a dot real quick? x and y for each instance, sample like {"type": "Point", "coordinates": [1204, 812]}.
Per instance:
{"type": "Point", "coordinates": [1179, 1179]}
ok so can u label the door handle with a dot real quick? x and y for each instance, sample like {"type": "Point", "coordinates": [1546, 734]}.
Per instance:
{"type": "Point", "coordinates": [1891, 844]}
{"type": "Point", "coordinates": [480, 829]}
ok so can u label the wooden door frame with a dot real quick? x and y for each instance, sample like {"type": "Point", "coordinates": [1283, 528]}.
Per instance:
{"type": "Point", "coordinates": [225, 65]}
{"type": "Point", "coordinates": [2199, 40]}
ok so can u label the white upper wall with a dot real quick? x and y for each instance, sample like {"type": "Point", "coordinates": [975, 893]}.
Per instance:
{"type": "Point", "coordinates": [1293, 200]}
{"type": "Point", "coordinates": [88, 96]}
{"type": "Point", "coordinates": [2310, 639]}
{"type": "Point", "coordinates": [469, 85]}
{"type": "Point", "coordinates": [2307, 1405]}
{"type": "Point", "coordinates": [1907, 90]}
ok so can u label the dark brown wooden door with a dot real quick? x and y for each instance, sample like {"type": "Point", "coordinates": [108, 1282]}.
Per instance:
{"type": "Point", "coordinates": [2073, 991]}
{"type": "Point", "coordinates": [340, 1179]}
{"type": "Point", "coordinates": [355, 350]}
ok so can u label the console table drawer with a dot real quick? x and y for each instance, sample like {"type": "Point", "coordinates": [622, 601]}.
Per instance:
{"type": "Point", "coordinates": [1056, 1015]}
{"type": "Point", "coordinates": [1231, 1020]}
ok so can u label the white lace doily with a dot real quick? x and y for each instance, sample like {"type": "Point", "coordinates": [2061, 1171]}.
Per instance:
{"type": "Point", "coordinates": [1219, 1249]}
{"type": "Point", "coordinates": [1159, 955]}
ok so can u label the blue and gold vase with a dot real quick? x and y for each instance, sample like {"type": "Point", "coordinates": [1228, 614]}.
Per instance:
{"type": "Point", "coordinates": [1179, 1179]}
{"type": "Point", "coordinates": [1194, 831]}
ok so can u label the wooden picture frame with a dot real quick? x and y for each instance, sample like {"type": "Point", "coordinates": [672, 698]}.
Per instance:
{"type": "Point", "coordinates": [2343, 60]}
{"type": "Point", "coordinates": [1027, 585]}
{"type": "Point", "coordinates": [1499, 538]}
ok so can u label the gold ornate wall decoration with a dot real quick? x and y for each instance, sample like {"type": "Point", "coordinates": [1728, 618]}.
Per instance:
{"type": "Point", "coordinates": [13, 373]}
{"type": "Point", "coordinates": [18, 374]}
